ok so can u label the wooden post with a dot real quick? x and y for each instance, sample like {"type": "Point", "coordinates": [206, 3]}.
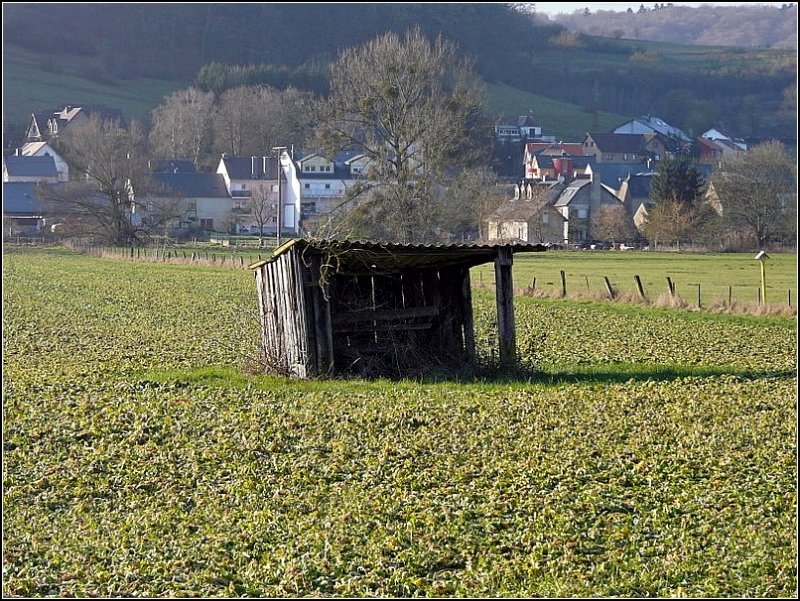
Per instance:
{"type": "Point", "coordinates": [466, 311]}
{"type": "Point", "coordinates": [323, 329]}
{"type": "Point", "coordinates": [639, 287]}
{"type": "Point", "coordinates": [608, 287]}
{"type": "Point", "coordinates": [790, 297]}
{"type": "Point", "coordinates": [730, 295]}
{"type": "Point", "coordinates": [587, 283]}
{"type": "Point", "coordinates": [763, 282]}
{"type": "Point", "coordinates": [670, 287]}
{"type": "Point", "coordinates": [563, 283]}
{"type": "Point", "coordinates": [504, 292]}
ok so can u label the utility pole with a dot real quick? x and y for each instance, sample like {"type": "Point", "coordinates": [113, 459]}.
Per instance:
{"type": "Point", "coordinates": [278, 150]}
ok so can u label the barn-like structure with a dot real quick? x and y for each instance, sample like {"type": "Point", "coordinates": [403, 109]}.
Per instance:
{"type": "Point", "coordinates": [332, 307]}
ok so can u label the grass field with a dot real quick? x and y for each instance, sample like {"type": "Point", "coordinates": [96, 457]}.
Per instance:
{"type": "Point", "coordinates": [653, 455]}
{"type": "Point", "coordinates": [715, 273]}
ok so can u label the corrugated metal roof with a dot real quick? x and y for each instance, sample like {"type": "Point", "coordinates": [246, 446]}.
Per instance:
{"type": "Point", "coordinates": [359, 256]}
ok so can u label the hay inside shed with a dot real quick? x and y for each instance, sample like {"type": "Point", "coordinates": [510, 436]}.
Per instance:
{"type": "Point", "coordinates": [371, 309]}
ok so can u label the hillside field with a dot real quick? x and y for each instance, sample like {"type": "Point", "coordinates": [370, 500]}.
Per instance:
{"type": "Point", "coordinates": [646, 452]}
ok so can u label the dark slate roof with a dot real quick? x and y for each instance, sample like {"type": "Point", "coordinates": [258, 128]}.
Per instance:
{"type": "Point", "coordinates": [20, 166]}
{"type": "Point", "coordinates": [251, 167]}
{"type": "Point", "coordinates": [612, 174]}
{"type": "Point", "coordinates": [639, 185]}
{"type": "Point", "coordinates": [610, 142]}
{"type": "Point", "coordinates": [172, 166]}
{"type": "Point", "coordinates": [571, 190]}
{"type": "Point", "coordinates": [360, 257]}
{"type": "Point", "coordinates": [20, 198]}
{"type": "Point", "coordinates": [194, 185]}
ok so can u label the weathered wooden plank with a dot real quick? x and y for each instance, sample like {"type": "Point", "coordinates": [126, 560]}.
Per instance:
{"type": "Point", "coordinates": [504, 292]}
{"type": "Point", "coordinates": [466, 310]}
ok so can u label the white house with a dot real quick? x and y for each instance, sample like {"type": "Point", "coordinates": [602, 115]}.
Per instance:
{"type": "Point", "coordinates": [317, 184]}
{"type": "Point", "coordinates": [43, 149]}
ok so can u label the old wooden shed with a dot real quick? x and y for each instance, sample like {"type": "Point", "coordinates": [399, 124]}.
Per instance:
{"type": "Point", "coordinates": [375, 309]}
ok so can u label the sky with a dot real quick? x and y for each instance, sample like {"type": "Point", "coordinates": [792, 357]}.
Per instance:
{"type": "Point", "coordinates": [552, 8]}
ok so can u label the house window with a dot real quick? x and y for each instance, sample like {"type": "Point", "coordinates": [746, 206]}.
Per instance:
{"type": "Point", "coordinates": [311, 168]}
{"type": "Point", "coordinates": [274, 187]}
{"type": "Point", "coordinates": [243, 187]}
{"type": "Point", "coordinates": [192, 206]}
{"type": "Point", "coordinates": [308, 186]}
{"type": "Point", "coordinates": [206, 224]}
{"type": "Point", "coordinates": [583, 213]}
{"type": "Point", "coordinates": [545, 218]}
{"type": "Point", "coordinates": [327, 186]}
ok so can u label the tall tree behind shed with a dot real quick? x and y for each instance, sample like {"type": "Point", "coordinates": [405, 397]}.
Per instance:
{"type": "Point", "coordinates": [410, 105]}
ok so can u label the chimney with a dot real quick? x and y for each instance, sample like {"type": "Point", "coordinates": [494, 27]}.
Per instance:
{"type": "Point", "coordinates": [253, 167]}
{"type": "Point", "coordinates": [265, 167]}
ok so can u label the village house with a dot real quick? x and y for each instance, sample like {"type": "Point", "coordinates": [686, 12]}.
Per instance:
{"type": "Point", "coordinates": [48, 125]}
{"type": "Point", "coordinates": [252, 180]}
{"type": "Point", "coordinates": [195, 202]}
{"type": "Point", "coordinates": [34, 169]}
{"type": "Point", "coordinates": [513, 128]}
{"type": "Point", "coordinates": [43, 149]}
{"type": "Point", "coordinates": [318, 184]}
{"type": "Point", "coordinates": [23, 213]}
{"type": "Point", "coordinates": [536, 167]}
{"type": "Point", "coordinates": [529, 217]}
{"type": "Point", "coordinates": [641, 149]}
{"type": "Point", "coordinates": [649, 124]}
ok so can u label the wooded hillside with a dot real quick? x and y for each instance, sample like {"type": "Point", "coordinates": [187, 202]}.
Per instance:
{"type": "Point", "coordinates": [128, 48]}
{"type": "Point", "coordinates": [721, 25]}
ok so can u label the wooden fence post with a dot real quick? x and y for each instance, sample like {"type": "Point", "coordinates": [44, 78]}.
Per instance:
{"type": "Point", "coordinates": [608, 287]}
{"type": "Point", "coordinates": [639, 286]}
{"type": "Point", "coordinates": [670, 287]}
{"type": "Point", "coordinates": [563, 283]}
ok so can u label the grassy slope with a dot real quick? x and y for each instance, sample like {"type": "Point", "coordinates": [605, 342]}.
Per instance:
{"type": "Point", "coordinates": [565, 121]}
{"type": "Point", "coordinates": [28, 88]}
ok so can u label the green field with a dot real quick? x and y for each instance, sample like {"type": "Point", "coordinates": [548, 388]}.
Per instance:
{"type": "Point", "coordinates": [654, 454]}
{"type": "Point", "coordinates": [715, 273]}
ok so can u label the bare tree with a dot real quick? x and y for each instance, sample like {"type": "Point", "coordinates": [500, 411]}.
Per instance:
{"type": "Point", "coordinates": [410, 105]}
{"type": "Point", "coordinates": [264, 210]}
{"type": "Point", "coordinates": [472, 195]}
{"type": "Point", "coordinates": [251, 120]}
{"type": "Point", "coordinates": [613, 224]}
{"type": "Point", "coordinates": [112, 163]}
{"type": "Point", "coordinates": [757, 191]}
{"type": "Point", "coordinates": [182, 125]}
{"type": "Point", "coordinates": [669, 221]}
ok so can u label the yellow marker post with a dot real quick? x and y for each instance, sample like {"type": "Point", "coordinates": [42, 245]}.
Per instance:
{"type": "Point", "coordinates": [761, 257]}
